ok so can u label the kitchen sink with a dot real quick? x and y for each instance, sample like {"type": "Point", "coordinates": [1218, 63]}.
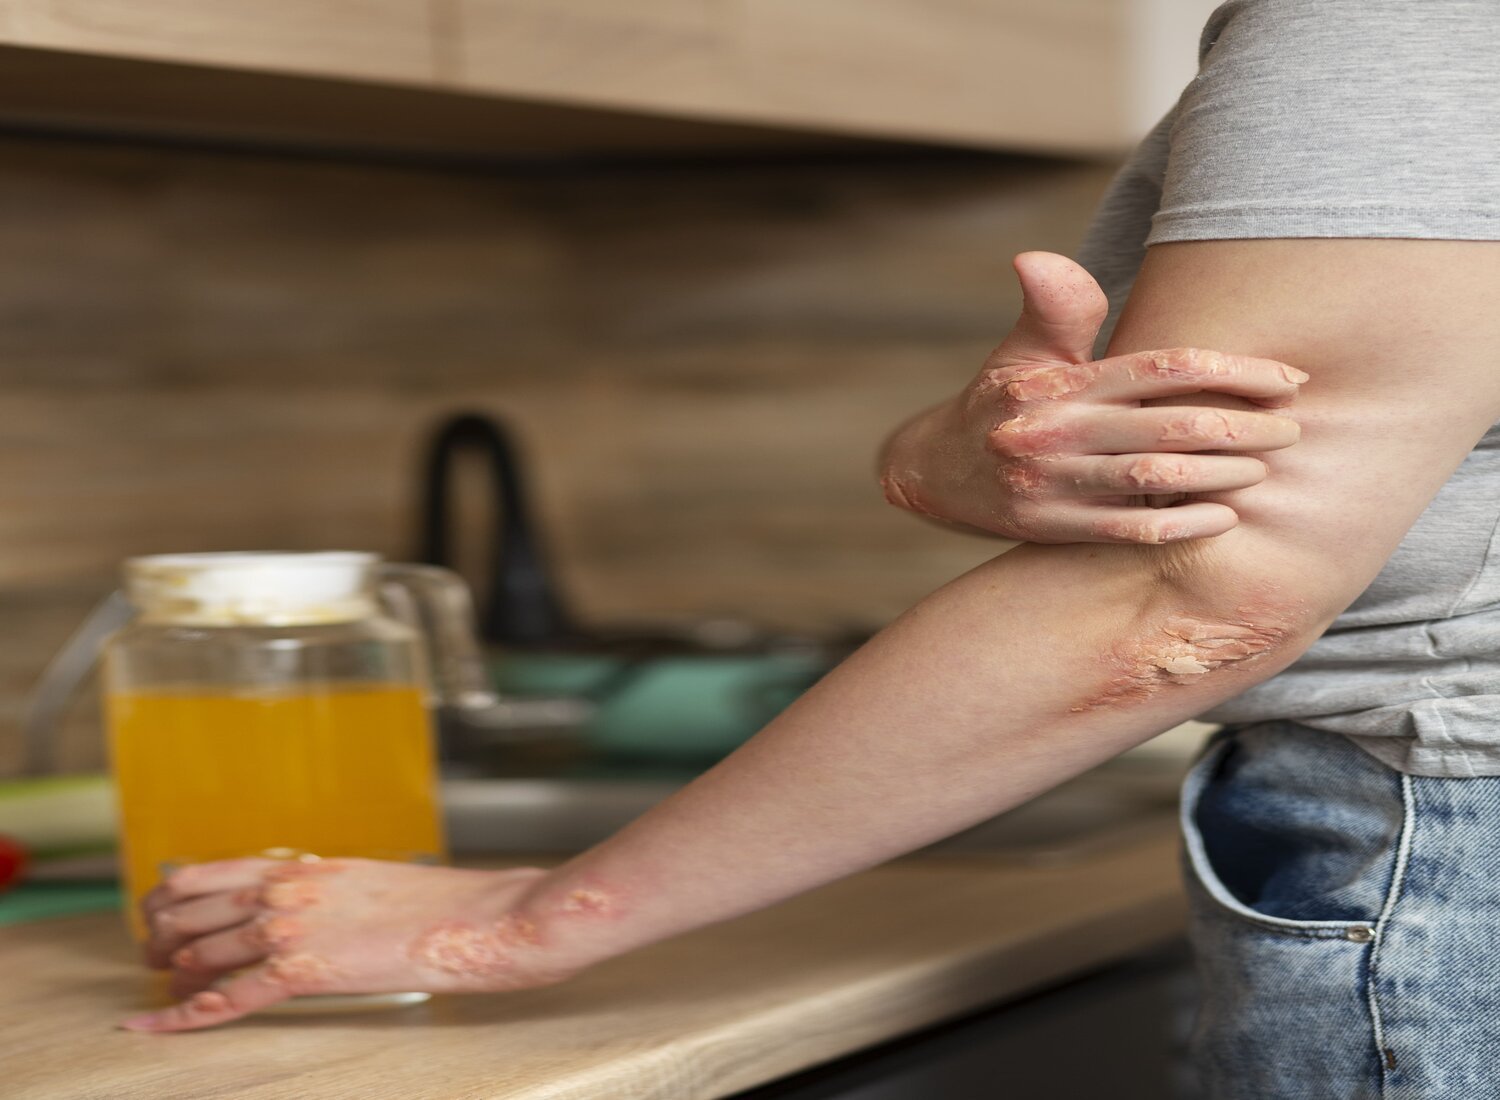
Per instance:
{"type": "Point", "coordinates": [1113, 804]}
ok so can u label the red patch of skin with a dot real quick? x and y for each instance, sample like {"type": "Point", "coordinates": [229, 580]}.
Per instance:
{"type": "Point", "coordinates": [1049, 382]}
{"type": "Point", "coordinates": [302, 971]}
{"type": "Point", "coordinates": [518, 930]}
{"type": "Point", "coordinates": [290, 896]}
{"type": "Point", "coordinates": [455, 947]}
{"type": "Point", "coordinates": [272, 933]}
{"type": "Point", "coordinates": [1183, 650]}
{"type": "Point", "coordinates": [1022, 437]}
{"type": "Point", "coordinates": [1027, 479]}
{"type": "Point", "coordinates": [587, 901]}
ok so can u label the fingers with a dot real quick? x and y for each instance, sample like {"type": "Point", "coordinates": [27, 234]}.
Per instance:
{"type": "Point", "coordinates": [176, 924]}
{"type": "Point", "coordinates": [1178, 371]}
{"type": "Point", "coordinates": [205, 878]}
{"type": "Point", "coordinates": [239, 996]}
{"type": "Point", "coordinates": [221, 951]}
{"type": "Point", "coordinates": [1153, 526]}
{"type": "Point", "coordinates": [1132, 474]}
{"type": "Point", "coordinates": [1179, 428]}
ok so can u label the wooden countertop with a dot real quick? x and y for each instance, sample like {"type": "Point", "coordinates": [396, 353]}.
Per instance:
{"type": "Point", "coordinates": [875, 956]}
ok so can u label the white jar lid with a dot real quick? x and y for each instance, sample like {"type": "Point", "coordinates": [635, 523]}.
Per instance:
{"type": "Point", "coordinates": [252, 587]}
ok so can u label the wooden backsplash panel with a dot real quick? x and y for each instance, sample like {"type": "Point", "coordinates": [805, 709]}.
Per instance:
{"type": "Point", "coordinates": [221, 351]}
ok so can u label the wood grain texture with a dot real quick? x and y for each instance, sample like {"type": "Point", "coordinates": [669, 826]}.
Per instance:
{"type": "Point", "coordinates": [224, 352]}
{"type": "Point", "coordinates": [1039, 77]}
{"type": "Point", "coordinates": [1081, 77]}
{"type": "Point", "coordinates": [877, 955]}
{"type": "Point", "coordinates": [388, 40]}
{"type": "Point", "coordinates": [77, 92]}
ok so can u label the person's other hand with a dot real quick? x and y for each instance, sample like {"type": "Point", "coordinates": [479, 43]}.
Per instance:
{"type": "Point", "coordinates": [1049, 445]}
{"type": "Point", "coordinates": [241, 935]}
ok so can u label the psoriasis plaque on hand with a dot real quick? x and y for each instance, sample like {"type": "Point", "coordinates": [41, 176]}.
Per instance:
{"type": "Point", "coordinates": [299, 971]}
{"type": "Point", "coordinates": [1199, 427]}
{"type": "Point", "coordinates": [1047, 382]}
{"type": "Point", "coordinates": [461, 948]}
{"type": "Point", "coordinates": [297, 894]}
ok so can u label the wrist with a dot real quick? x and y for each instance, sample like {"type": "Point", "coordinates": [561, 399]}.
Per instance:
{"type": "Point", "coordinates": [573, 921]}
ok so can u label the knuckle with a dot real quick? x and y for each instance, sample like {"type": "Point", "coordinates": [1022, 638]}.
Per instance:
{"type": "Point", "coordinates": [290, 894]}
{"type": "Point", "coordinates": [1025, 478]}
{"type": "Point", "coordinates": [1041, 383]}
{"type": "Point", "coordinates": [185, 958]}
{"type": "Point", "coordinates": [1023, 518]}
{"type": "Point", "coordinates": [1024, 436]}
{"type": "Point", "coordinates": [1005, 441]}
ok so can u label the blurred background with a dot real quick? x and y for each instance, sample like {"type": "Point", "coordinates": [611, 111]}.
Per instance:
{"type": "Point", "coordinates": [699, 255]}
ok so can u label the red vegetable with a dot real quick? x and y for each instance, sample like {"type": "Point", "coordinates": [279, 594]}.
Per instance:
{"type": "Point", "coordinates": [12, 861]}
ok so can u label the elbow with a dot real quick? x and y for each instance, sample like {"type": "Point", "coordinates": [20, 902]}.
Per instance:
{"type": "Point", "coordinates": [1209, 627]}
{"type": "Point", "coordinates": [1176, 650]}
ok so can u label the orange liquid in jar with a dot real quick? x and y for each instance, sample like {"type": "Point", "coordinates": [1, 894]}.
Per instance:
{"type": "Point", "coordinates": [219, 773]}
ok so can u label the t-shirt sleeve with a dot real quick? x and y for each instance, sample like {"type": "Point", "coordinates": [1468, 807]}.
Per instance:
{"type": "Point", "coordinates": [1339, 118]}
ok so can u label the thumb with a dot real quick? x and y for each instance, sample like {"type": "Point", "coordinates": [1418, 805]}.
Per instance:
{"type": "Point", "coordinates": [1062, 311]}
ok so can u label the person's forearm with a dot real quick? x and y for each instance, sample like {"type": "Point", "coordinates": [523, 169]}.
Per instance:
{"type": "Point", "coordinates": [1017, 676]}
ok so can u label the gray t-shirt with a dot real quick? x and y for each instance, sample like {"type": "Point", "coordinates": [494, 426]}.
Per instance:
{"type": "Point", "coordinates": [1351, 118]}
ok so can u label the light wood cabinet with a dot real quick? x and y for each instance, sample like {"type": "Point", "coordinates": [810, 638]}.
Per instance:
{"type": "Point", "coordinates": [970, 72]}
{"type": "Point", "coordinates": [537, 76]}
{"type": "Point", "coordinates": [382, 40]}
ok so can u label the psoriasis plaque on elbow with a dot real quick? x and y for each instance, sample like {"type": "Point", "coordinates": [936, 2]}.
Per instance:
{"type": "Point", "coordinates": [1184, 649]}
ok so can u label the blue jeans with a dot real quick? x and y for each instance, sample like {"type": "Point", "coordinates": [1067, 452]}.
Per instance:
{"type": "Point", "coordinates": [1345, 923]}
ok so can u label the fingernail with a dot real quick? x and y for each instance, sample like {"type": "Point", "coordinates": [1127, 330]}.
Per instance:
{"type": "Point", "coordinates": [1292, 374]}
{"type": "Point", "coordinates": [146, 1021]}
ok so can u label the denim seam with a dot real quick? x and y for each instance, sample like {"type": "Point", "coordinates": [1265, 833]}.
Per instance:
{"type": "Point", "coordinates": [1215, 890]}
{"type": "Point", "coordinates": [1398, 882]}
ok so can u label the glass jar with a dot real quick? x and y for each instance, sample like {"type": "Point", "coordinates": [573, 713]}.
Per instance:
{"type": "Point", "coordinates": [264, 705]}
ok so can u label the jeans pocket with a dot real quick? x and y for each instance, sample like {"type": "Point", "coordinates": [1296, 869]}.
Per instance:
{"type": "Point", "coordinates": [1293, 832]}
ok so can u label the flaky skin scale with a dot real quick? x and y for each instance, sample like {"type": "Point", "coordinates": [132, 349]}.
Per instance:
{"type": "Point", "coordinates": [1184, 649]}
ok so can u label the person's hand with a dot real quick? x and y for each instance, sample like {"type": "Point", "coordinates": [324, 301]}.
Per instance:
{"type": "Point", "coordinates": [1047, 445]}
{"type": "Point", "coordinates": [240, 935]}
